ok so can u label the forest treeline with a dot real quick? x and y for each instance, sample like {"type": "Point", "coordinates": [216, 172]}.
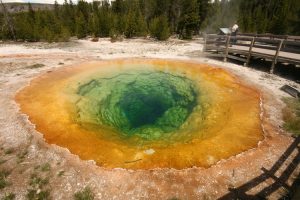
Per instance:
{"type": "Point", "coordinates": [157, 18]}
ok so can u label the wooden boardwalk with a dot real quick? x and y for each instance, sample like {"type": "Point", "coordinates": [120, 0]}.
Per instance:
{"type": "Point", "coordinates": [268, 53]}
{"type": "Point", "coordinates": [244, 48]}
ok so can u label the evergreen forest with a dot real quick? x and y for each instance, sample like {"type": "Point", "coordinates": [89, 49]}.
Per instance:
{"type": "Point", "coordinates": [158, 18]}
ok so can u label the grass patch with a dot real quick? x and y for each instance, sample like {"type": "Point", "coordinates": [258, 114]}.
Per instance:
{"type": "Point", "coordinates": [38, 195]}
{"type": "Point", "coordinates": [35, 66]}
{"type": "Point", "coordinates": [36, 192]}
{"type": "Point", "coordinates": [45, 167]}
{"type": "Point", "coordinates": [37, 167]}
{"type": "Point", "coordinates": [2, 161]}
{"type": "Point", "coordinates": [9, 151]}
{"type": "Point", "coordinates": [38, 182]}
{"type": "Point", "coordinates": [291, 115]}
{"type": "Point", "coordinates": [85, 194]}
{"type": "Point", "coordinates": [21, 156]}
{"type": "Point", "coordinates": [3, 182]}
{"type": "Point", "coordinates": [61, 173]}
{"type": "Point", "coordinates": [10, 196]}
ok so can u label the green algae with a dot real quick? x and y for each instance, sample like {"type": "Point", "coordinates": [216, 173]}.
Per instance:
{"type": "Point", "coordinates": [147, 104]}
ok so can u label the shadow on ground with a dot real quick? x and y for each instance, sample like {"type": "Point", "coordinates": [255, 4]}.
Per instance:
{"type": "Point", "coordinates": [279, 182]}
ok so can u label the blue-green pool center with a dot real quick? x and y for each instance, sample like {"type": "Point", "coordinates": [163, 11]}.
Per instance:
{"type": "Point", "coordinates": [147, 104]}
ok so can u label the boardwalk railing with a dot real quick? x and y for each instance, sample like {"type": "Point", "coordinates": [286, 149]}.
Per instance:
{"type": "Point", "coordinates": [272, 36]}
{"type": "Point", "coordinates": [283, 49]}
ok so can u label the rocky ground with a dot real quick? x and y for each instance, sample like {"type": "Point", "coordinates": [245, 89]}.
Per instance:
{"type": "Point", "coordinates": [31, 168]}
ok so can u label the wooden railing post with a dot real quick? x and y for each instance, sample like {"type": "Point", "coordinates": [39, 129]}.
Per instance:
{"type": "Point", "coordinates": [227, 46]}
{"type": "Point", "coordinates": [250, 52]}
{"type": "Point", "coordinates": [276, 56]}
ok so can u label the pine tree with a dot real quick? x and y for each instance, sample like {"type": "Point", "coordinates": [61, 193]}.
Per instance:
{"type": "Point", "coordinates": [130, 28]}
{"type": "Point", "coordinates": [260, 20]}
{"type": "Point", "coordinates": [174, 14]}
{"type": "Point", "coordinates": [189, 19]}
{"type": "Point", "coordinates": [135, 24]}
{"type": "Point", "coordinates": [68, 16]}
{"type": "Point", "coordinates": [203, 10]}
{"type": "Point", "coordinates": [159, 28]}
{"type": "Point", "coordinates": [105, 20]}
{"type": "Point", "coordinates": [141, 25]}
{"type": "Point", "coordinates": [81, 30]}
{"type": "Point", "coordinates": [56, 8]}
{"type": "Point", "coordinates": [32, 31]}
{"type": "Point", "coordinates": [7, 23]}
{"type": "Point", "coordinates": [2, 27]}
{"type": "Point", "coordinates": [118, 7]}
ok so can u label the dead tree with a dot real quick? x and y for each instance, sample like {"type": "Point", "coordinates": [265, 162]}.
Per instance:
{"type": "Point", "coordinates": [8, 20]}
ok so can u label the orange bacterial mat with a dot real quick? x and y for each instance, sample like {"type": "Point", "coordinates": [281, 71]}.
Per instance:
{"type": "Point", "coordinates": [145, 114]}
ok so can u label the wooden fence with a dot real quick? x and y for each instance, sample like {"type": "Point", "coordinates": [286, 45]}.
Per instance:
{"type": "Point", "coordinates": [244, 47]}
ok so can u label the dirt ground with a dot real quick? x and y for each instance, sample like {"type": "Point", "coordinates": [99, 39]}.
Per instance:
{"type": "Point", "coordinates": [36, 168]}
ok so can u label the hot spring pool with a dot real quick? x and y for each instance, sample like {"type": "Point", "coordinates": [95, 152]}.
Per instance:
{"type": "Point", "coordinates": [145, 114]}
